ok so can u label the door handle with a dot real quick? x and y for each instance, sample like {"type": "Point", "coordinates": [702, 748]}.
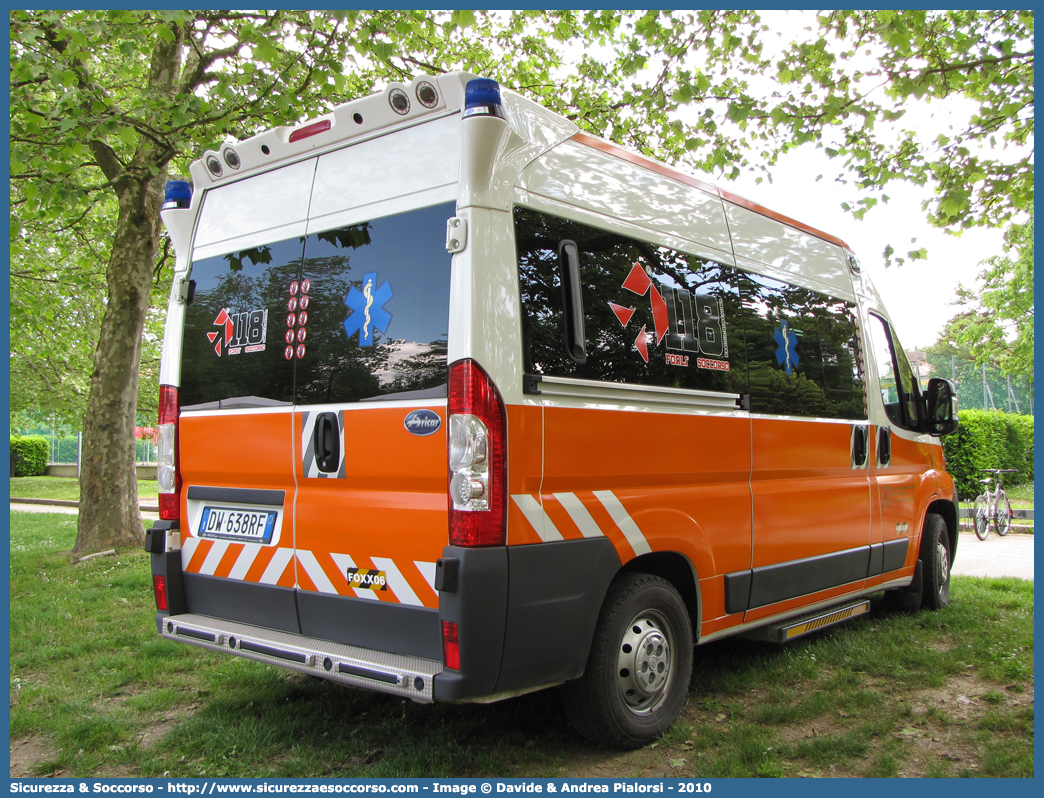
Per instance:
{"type": "Point", "coordinates": [860, 445]}
{"type": "Point", "coordinates": [884, 446]}
{"type": "Point", "coordinates": [326, 442]}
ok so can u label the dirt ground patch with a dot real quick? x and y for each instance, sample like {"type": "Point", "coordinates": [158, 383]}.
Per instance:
{"type": "Point", "coordinates": [926, 739]}
{"type": "Point", "coordinates": [931, 735]}
{"type": "Point", "coordinates": [31, 756]}
{"type": "Point", "coordinates": [27, 756]}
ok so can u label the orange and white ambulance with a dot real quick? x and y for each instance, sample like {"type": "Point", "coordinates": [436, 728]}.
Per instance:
{"type": "Point", "coordinates": [459, 402]}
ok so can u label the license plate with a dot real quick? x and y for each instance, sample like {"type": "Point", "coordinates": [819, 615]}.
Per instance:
{"type": "Point", "coordinates": [233, 523]}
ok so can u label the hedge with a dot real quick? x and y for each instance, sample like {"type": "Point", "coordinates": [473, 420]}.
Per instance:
{"type": "Point", "coordinates": [32, 454]}
{"type": "Point", "coordinates": [989, 439]}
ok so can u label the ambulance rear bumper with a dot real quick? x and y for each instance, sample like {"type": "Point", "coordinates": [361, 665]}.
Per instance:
{"type": "Point", "coordinates": [397, 674]}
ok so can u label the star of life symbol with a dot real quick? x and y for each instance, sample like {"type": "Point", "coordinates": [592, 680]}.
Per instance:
{"type": "Point", "coordinates": [368, 312]}
{"type": "Point", "coordinates": [786, 354]}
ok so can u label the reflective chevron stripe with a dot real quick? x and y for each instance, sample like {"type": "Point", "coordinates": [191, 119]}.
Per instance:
{"type": "Point", "coordinates": [536, 514]}
{"type": "Point", "coordinates": [210, 553]}
{"type": "Point", "coordinates": [623, 520]}
{"type": "Point", "coordinates": [244, 561]}
{"type": "Point", "coordinates": [315, 572]}
{"type": "Point", "coordinates": [277, 566]}
{"type": "Point", "coordinates": [581, 517]}
{"type": "Point", "coordinates": [397, 582]}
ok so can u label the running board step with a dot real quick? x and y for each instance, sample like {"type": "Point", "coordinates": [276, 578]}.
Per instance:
{"type": "Point", "coordinates": [793, 628]}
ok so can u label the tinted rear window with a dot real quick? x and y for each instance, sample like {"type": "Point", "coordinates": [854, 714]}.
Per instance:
{"type": "Point", "coordinates": [359, 312]}
{"type": "Point", "coordinates": [225, 353]}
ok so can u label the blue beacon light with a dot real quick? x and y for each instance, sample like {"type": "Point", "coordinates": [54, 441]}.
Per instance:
{"type": "Point", "coordinates": [482, 98]}
{"type": "Point", "coordinates": [177, 194]}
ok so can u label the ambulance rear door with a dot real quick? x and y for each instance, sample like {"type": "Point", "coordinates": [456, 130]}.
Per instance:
{"type": "Point", "coordinates": [236, 394]}
{"type": "Point", "coordinates": [367, 325]}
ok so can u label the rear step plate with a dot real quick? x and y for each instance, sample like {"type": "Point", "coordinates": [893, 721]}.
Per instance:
{"type": "Point", "coordinates": [409, 677]}
{"type": "Point", "coordinates": [793, 628]}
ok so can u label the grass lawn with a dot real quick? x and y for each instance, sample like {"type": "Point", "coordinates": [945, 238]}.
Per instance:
{"type": "Point", "coordinates": [95, 692]}
{"type": "Point", "coordinates": [65, 488]}
{"type": "Point", "coordinates": [1021, 496]}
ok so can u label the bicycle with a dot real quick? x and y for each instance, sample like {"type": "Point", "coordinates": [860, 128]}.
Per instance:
{"type": "Point", "coordinates": [992, 506]}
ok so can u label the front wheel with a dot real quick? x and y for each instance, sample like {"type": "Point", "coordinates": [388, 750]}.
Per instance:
{"type": "Point", "coordinates": [1002, 515]}
{"type": "Point", "coordinates": [637, 674]}
{"type": "Point", "coordinates": [981, 518]}
{"type": "Point", "coordinates": [935, 563]}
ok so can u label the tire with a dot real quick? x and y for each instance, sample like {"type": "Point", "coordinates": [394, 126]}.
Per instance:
{"type": "Point", "coordinates": [1002, 516]}
{"type": "Point", "coordinates": [981, 518]}
{"type": "Point", "coordinates": [936, 560]}
{"type": "Point", "coordinates": [637, 675]}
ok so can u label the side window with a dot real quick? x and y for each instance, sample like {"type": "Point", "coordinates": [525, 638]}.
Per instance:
{"type": "Point", "coordinates": [802, 351]}
{"type": "Point", "coordinates": [651, 315]}
{"type": "Point", "coordinates": [899, 389]}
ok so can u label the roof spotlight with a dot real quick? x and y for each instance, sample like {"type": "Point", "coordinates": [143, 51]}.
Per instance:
{"type": "Point", "coordinates": [399, 102]}
{"type": "Point", "coordinates": [213, 164]}
{"type": "Point", "coordinates": [426, 94]}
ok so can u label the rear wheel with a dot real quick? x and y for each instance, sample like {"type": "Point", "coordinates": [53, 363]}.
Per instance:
{"type": "Point", "coordinates": [935, 563]}
{"type": "Point", "coordinates": [637, 674]}
{"type": "Point", "coordinates": [981, 518]}
{"type": "Point", "coordinates": [1002, 517]}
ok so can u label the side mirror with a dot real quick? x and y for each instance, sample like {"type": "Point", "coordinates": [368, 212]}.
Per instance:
{"type": "Point", "coordinates": [941, 401]}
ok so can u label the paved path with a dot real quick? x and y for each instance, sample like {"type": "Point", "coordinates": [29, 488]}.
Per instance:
{"type": "Point", "coordinates": [20, 507]}
{"type": "Point", "coordinates": [996, 556]}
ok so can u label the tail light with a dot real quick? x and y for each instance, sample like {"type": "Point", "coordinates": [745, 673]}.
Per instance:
{"type": "Point", "coordinates": [159, 587]}
{"type": "Point", "coordinates": [167, 459]}
{"type": "Point", "coordinates": [477, 458]}
{"type": "Point", "coordinates": [451, 645]}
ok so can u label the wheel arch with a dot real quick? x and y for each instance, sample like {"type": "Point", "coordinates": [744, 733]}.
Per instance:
{"type": "Point", "coordinates": [678, 570]}
{"type": "Point", "coordinates": [948, 510]}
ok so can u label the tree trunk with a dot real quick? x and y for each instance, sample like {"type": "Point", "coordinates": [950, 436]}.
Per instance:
{"type": "Point", "coordinates": [109, 515]}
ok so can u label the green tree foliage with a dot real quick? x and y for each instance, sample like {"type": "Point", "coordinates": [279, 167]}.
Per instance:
{"type": "Point", "coordinates": [735, 90]}
{"type": "Point", "coordinates": [57, 290]}
{"type": "Point", "coordinates": [1013, 394]}
{"type": "Point", "coordinates": [106, 103]}
{"type": "Point", "coordinates": [996, 325]}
